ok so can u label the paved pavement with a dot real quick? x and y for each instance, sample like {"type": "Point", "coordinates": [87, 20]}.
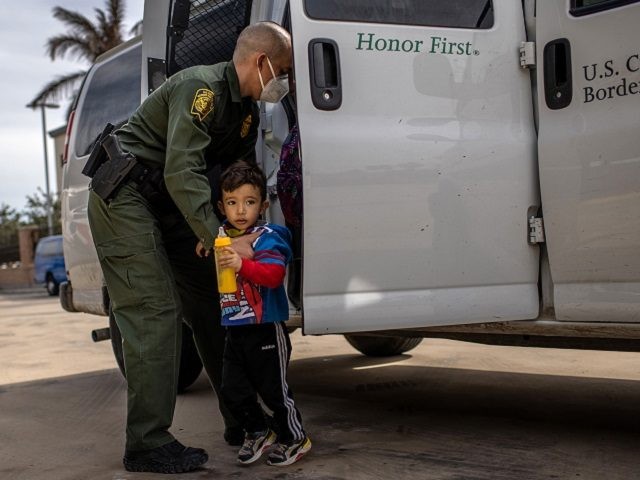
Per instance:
{"type": "Point", "coordinates": [446, 410]}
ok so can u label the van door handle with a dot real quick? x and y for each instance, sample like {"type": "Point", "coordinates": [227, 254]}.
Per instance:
{"type": "Point", "coordinates": [324, 74]}
{"type": "Point", "coordinates": [558, 85]}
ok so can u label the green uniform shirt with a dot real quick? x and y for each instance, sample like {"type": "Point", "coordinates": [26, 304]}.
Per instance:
{"type": "Point", "coordinates": [193, 122]}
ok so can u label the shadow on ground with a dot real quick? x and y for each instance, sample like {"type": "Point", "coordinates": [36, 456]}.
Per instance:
{"type": "Point", "coordinates": [368, 419]}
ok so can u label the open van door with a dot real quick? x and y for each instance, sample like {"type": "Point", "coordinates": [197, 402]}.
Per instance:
{"type": "Point", "coordinates": [588, 58]}
{"type": "Point", "coordinates": [418, 150]}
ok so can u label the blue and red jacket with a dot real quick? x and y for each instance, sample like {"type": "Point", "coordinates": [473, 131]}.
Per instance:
{"type": "Point", "coordinates": [261, 296]}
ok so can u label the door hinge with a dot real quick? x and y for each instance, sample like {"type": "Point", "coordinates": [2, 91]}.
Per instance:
{"type": "Point", "coordinates": [527, 54]}
{"type": "Point", "coordinates": [536, 230]}
{"type": "Point", "coordinates": [266, 121]}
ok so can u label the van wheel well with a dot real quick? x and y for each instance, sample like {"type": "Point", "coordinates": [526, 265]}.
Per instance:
{"type": "Point", "coordinates": [382, 346]}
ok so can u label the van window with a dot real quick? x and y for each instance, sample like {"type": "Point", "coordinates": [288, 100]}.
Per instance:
{"type": "Point", "coordinates": [580, 8]}
{"type": "Point", "coordinates": [211, 34]}
{"type": "Point", "coordinates": [112, 96]}
{"type": "Point", "coordinates": [436, 13]}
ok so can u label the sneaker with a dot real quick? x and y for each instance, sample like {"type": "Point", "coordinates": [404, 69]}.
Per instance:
{"type": "Point", "coordinates": [254, 446]}
{"type": "Point", "coordinates": [170, 458]}
{"type": "Point", "coordinates": [288, 453]}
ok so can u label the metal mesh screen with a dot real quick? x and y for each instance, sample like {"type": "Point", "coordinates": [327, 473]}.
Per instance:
{"type": "Point", "coordinates": [211, 34]}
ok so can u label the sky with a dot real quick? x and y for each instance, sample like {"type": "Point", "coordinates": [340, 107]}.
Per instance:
{"type": "Point", "coordinates": [25, 27]}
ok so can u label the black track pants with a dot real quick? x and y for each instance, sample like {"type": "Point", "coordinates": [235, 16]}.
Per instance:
{"type": "Point", "coordinates": [255, 363]}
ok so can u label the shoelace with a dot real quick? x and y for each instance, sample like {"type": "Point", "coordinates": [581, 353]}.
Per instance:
{"type": "Point", "coordinates": [249, 443]}
{"type": "Point", "coordinates": [280, 449]}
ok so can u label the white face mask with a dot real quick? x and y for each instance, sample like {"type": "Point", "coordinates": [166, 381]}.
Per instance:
{"type": "Point", "coordinates": [276, 88]}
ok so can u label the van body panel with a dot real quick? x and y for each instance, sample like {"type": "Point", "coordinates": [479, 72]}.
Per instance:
{"type": "Point", "coordinates": [419, 180]}
{"type": "Point", "coordinates": [416, 189]}
{"type": "Point", "coordinates": [82, 263]}
{"type": "Point", "coordinates": [589, 161]}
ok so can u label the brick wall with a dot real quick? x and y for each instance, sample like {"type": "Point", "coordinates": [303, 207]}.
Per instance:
{"type": "Point", "coordinates": [20, 274]}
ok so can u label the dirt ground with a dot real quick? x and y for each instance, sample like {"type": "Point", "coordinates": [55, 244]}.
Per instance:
{"type": "Point", "coordinates": [446, 410]}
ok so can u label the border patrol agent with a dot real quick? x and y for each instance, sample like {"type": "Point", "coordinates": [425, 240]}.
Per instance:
{"type": "Point", "coordinates": [149, 196]}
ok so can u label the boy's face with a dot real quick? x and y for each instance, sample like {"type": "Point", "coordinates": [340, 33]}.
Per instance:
{"type": "Point", "coordinates": [243, 206]}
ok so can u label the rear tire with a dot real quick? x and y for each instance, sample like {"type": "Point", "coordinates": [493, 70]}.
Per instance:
{"type": "Point", "coordinates": [52, 286]}
{"type": "Point", "coordinates": [190, 363]}
{"type": "Point", "coordinates": [381, 346]}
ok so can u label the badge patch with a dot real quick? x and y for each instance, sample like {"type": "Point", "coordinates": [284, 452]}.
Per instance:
{"type": "Point", "coordinates": [202, 103]}
{"type": "Point", "coordinates": [246, 124]}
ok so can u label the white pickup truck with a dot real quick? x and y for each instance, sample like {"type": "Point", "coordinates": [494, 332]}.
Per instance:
{"type": "Point", "coordinates": [471, 168]}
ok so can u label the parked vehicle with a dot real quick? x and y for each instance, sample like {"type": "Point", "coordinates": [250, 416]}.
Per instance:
{"type": "Point", "coordinates": [49, 264]}
{"type": "Point", "coordinates": [471, 167]}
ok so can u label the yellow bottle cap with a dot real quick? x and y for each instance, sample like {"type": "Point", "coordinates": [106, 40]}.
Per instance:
{"type": "Point", "coordinates": [222, 242]}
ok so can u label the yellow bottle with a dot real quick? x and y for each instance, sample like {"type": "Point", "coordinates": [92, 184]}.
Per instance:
{"type": "Point", "coordinates": [226, 276]}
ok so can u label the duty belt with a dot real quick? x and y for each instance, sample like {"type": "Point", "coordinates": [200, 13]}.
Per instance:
{"type": "Point", "coordinates": [111, 167]}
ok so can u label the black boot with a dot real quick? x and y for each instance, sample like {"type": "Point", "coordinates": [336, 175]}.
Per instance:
{"type": "Point", "coordinates": [170, 458]}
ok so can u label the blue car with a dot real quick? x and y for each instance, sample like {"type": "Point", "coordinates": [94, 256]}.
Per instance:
{"type": "Point", "coordinates": [49, 263]}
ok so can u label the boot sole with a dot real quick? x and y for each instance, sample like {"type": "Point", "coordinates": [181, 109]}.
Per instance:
{"type": "Point", "coordinates": [155, 467]}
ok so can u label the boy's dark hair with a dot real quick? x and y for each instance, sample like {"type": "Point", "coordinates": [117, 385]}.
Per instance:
{"type": "Point", "coordinates": [243, 173]}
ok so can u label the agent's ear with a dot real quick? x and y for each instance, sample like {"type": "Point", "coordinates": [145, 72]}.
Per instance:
{"type": "Point", "coordinates": [260, 59]}
{"type": "Point", "coordinates": [264, 206]}
{"type": "Point", "coordinates": [221, 207]}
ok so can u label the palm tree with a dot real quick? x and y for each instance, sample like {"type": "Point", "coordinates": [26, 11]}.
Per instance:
{"type": "Point", "coordinates": [85, 40]}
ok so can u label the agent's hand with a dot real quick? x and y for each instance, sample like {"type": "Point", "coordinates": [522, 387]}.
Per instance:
{"type": "Point", "coordinates": [230, 259]}
{"type": "Point", "coordinates": [201, 251]}
{"type": "Point", "coordinates": [242, 245]}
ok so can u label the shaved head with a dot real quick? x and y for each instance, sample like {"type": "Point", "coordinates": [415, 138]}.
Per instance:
{"type": "Point", "coordinates": [267, 37]}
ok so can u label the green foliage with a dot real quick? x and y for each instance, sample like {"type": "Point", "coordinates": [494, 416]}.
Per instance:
{"type": "Point", "coordinates": [35, 213]}
{"type": "Point", "coordinates": [9, 223]}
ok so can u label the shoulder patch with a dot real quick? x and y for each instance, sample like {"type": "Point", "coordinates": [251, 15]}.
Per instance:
{"type": "Point", "coordinates": [202, 103]}
{"type": "Point", "coordinates": [246, 124]}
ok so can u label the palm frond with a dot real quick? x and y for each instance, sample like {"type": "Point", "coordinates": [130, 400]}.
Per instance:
{"type": "Point", "coordinates": [103, 26]}
{"type": "Point", "coordinates": [84, 39]}
{"type": "Point", "coordinates": [116, 10]}
{"type": "Point", "coordinates": [110, 29]}
{"type": "Point", "coordinates": [136, 29]}
{"type": "Point", "coordinates": [58, 87]}
{"type": "Point", "coordinates": [80, 47]}
{"type": "Point", "coordinates": [78, 22]}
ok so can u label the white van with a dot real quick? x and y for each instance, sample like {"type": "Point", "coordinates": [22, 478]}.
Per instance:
{"type": "Point", "coordinates": [471, 168]}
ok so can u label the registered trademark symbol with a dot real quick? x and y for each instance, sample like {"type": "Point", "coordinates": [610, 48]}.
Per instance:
{"type": "Point", "coordinates": [476, 52]}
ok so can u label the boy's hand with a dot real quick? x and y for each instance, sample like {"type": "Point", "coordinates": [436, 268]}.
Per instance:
{"type": "Point", "coordinates": [201, 251]}
{"type": "Point", "coordinates": [230, 259]}
{"type": "Point", "coordinates": [242, 245]}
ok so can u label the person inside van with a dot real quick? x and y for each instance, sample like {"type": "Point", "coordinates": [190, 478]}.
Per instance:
{"type": "Point", "coordinates": [146, 226]}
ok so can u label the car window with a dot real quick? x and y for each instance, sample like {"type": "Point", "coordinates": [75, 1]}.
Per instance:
{"type": "Point", "coordinates": [580, 8]}
{"type": "Point", "coordinates": [113, 94]}
{"type": "Point", "coordinates": [45, 249]}
{"type": "Point", "coordinates": [436, 13]}
{"type": "Point", "coordinates": [49, 247]}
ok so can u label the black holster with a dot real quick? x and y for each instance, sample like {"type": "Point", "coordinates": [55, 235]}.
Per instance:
{"type": "Point", "coordinates": [113, 173]}
{"type": "Point", "coordinates": [111, 167]}
{"type": "Point", "coordinates": [98, 154]}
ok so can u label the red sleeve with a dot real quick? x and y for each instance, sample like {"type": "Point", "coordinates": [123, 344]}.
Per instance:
{"type": "Point", "coordinates": [269, 275]}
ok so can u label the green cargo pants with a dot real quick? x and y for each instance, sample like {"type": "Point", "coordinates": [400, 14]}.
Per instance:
{"type": "Point", "coordinates": [154, 279]}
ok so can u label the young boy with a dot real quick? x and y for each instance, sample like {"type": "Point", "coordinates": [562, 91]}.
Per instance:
{"type": "Point", "coordinates": [258, 348]}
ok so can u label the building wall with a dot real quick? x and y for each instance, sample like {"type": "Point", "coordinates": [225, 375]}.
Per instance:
{"type": "Point", "coordinates": [58, 150]}
{"type": "Point", "coordinates": [20, 274]}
